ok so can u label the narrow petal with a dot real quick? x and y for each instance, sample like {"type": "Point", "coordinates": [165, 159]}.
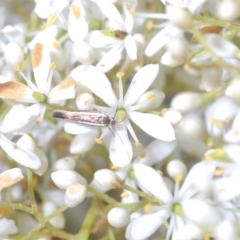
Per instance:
{"type": "Point", "coordinates": [77, 24]}
{"type": "Point", "coordinates": [15, 91]}
{"type": "Point", "coordinates": [120, 147]}
{"type": "Point", "coordinates": [141, 81]}
{"type": "Point", "coordinates": [131, 47]}
{"type": "Point", "coordinates": [144, 226]}
{"type": "Point", "coordinates": [41, 65]}
{"type": "Point", "coordinates": [153, 182]}
{"type": "Point", "coordinates": [64, 90]}
{"type": "Point", "coordinates": [99, 84]}
{"type": "Point", "coordinates": [151, 152]}
{"type": "Point", "coordinates": [111, 58]}
{"type": "Point", "coordinates": [153, 125]}
{"type": "Point", "coordinates": [98, 40]}
{"type": "Point", "coordinates": [19, 154]}
{"type": "Point", "coordinates": [110, 12]}
{"type": "Point", "coordinates": [129, 20]}
{"type": "Point", "coordinates": [76, 128]}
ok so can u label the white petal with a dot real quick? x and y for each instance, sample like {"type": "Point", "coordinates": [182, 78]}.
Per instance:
{"type": "Point", "coordinates": [129, 20]}
{"type": "Point", "coordinates": [44, 162]}
{"type": "Point", "coordinates": [132, 197]}
{"type": "Point", "coordinates": [141, 81]}
{"type": "Point", "coordinates": [99, 84]}
{"type": "Point", "coordinates": [98, 40]}
{"type": "Point", "coordinates": [66, 163]}
{"type": "Point", "coordinates": [153, 125]}
{"type": "Point", "coordinates": [21, 155]}
{"type": "Point", "coordinates": [111, 58]}
{"type": "Point", "coordinates": [220, 46]}
{"type": "Point", "coordinates": [83, 143]}
{"type": "Point", "coordinates": [153, 182]}
{"type": "Point", "coordinates": [146, 225]}
{"type": "Point", "coordinates": [120, 151]}
{"type": "Point", "coordinates": [152, 152]}
{"type": "Point", "coordinates": [64, 178]}
{"type": "Point", "coordinates": [76, 128]}
{"type": "Point", "coordinates": [131, 47]}
{"type": "Point", "coordinates": [110, 12]}
{"type": "Point", "coordinates": [41, 65]}
{"type": "Point", "coordinates": [77, 27]}
{"type": "Point", "coordinates": [64, 90]}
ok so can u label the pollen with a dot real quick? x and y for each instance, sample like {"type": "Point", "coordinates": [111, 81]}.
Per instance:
{"type": "Point", "coordinates": [192, 153]}
{"type": "Point", "coordinates": [178, 177]}
{"type": "Point", "coordinates": [150, 97]}
{"type": "Point", "coordinates": [52, 65]}
{"type": "Point", "coordinates": [51, 20]}
{"type": "Point", "coordinates": [4, 212]}
{"type": "Point", "coordinates": [7, 180]}
{"type": "Point", "coordinates": [149, 25]}
{"type": "Point", "coordinates": [160, 172]}
{"type": "Point", "coordinates": [120, 74]}
{"type": "Point", "coordinates": [218, 172]}
{"type": "Point", "coordinates": [115, 168]}
{"type": "Point", "coordinates": [75, 11]}
{"type": "Point", "coordinates": [56, 45]}
{"type": "Point", "coordinates": [236, 132]}
{"type": "Point", "coordinates": [12, 90]}
{"type": "Point", "coordinates": [147, 208]}
{"type": "Point", "coordinates": [218, 124]}
{"type": "Point", "coordinates": [125, 195]}
{"type": "Point", "coordinates": [143, 154]}
{"type": "Point", "coordinates": [138, 144]}
{"type": "Point", "coordinates": [15, 146]}
{"type": "Point", "coordinates": [86, 103]}
{"type": "Point", "coordinates": [75, 188]}
{"type": "Point", "coordinates": [66, 83]}
{"type": "Point", "coordinates": [37, 55]}
{"type": "Point", "coordinates": [17, 67]}
{"type": "Point", "coordinates": [98, 141]}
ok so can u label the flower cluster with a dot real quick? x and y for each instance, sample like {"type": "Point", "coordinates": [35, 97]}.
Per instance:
{"type": "Point", "coordinates": [119, 119]}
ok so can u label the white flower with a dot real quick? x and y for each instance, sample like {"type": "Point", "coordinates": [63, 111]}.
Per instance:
{"type": "Point", "coordinates": [43, 71]}
{"type": "Point", "coordinates": [173, 206]}
{"type": "Point", "coordinates": [119, 37]}
{"type": "Point", "coordinates": [124, 109]}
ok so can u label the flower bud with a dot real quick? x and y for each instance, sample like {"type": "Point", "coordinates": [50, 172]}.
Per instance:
{"type": "Point", "coordinates": [233, 90]}
{"type": "Point", "coordinates": [108, 179]}
{"type": "Point", "coordinates": [179, 16]}
{"type": "Point", "coordinates": [10, 177]}
{"type": "Point", "coordinates": [177, 170]}
{"type": "Point", "coordinates": [228, 10]}
{"type": "Point", "coordinates": [8, 227]}
{"type": "Point", "coordinates": [64, 178]}
{"type": "Point", "coordinates": [75, 194]}
{"type": "Point", "coordinates": [186, 101]}
{"type": "Point", "coordinates": [118, 217]}
{"type": "Point", "coordinates": [172, 115]}
{"type": "Point", "coordinates": [84, 101]}
{"type": "Point", "coordinates": [57, 221]}
{"type": "Point", "coordinates": [13, 55]}
{"type": "Point", "coordinates": [84, 52]}
{"type": "Point", "coordinates": [67, 163]}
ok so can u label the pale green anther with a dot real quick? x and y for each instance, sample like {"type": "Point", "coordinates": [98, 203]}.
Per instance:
{"type": "Point", "coordinates": [120, 114]}
{"type": "Point", "coordinates": [131, 174]}
{"type": "Point", "coordinates": [94, 25]}
{"type": "Point", "coordinates": [177, 209]}
{"type": "Point", "coordinates": [39, 97]}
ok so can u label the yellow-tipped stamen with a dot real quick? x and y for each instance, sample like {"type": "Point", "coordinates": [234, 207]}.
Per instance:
{"type": "Point", "coordinates": [51, 20]}
{"type": "Point", "coordinates": [120, 74]}
{"type": "Point", "coordinates": [115, 168]}
{"type": "Point", "coordinates": [138, 144]}
{"type": "Point", "coordinates": [17, 67]}
{"type": "Point", "coordinates": [178, 177]}
{"type": "Point", "coordinates": [56, 45]}
{"type": "Point", "coordinates": [52, 65]}
{"type": "Point", "coordinates": [218, 172]}
{"type": "Point", "coordinates": [143, 154]}
{"type": "Point", "coordinates": [192, 153]}
{"type": "Point", "coordinates": [75, 11]}
{"type": "Point", "coordinates": [147, 208]}
{"type": "Point", "coordinates": [124, 195]}
{"type": "Point", "coordinates": [160, 172]}
{"type": "Point", "coordinates": [149, 25]}
{"type": "Point", "coordinates": [98, 141]}
{"type": "Point", "coordinates": [150, 96]}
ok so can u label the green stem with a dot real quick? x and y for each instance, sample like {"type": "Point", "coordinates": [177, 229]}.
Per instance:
{"type": "Point", "coordinates": [87, 224]}
{"type": "Point", "coordinates": [16, 206]}
{"type": "Point", "coordinates": [57, 212]}
{"type": "Point", "coordinates": [31, 191]}
{"type": "Point", "coordinates": [110, 233]}
{"type": "Point", "coordinates": [142, 194]}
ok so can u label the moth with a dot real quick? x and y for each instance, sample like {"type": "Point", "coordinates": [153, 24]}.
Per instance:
{"type": "Point", "coordinates": [87, 117]}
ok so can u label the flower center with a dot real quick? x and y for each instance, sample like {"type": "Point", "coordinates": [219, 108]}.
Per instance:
{"type": "Point", "coordinates": [177, 209]}
{"type": "Point", "coordinates": [41, 98]}
{"type": "Point", "coordinates": [120, 114]}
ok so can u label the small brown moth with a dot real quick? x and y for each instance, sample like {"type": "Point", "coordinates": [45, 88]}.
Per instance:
{"type": "Point", "coordinates": [87, 117]}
